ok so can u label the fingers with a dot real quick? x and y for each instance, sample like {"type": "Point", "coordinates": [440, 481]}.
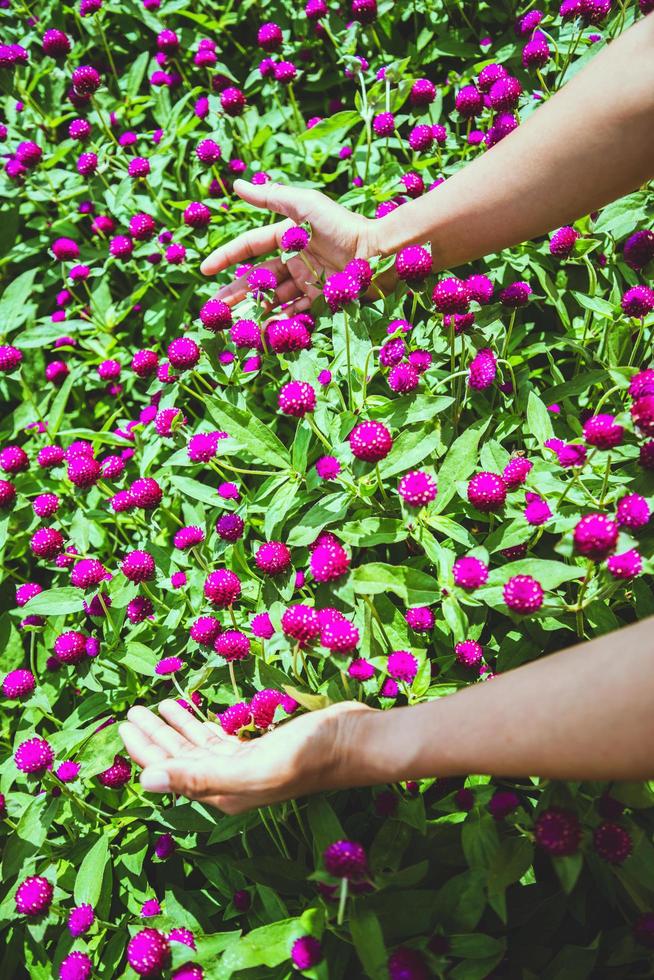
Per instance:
{"type": "Point", "coordinates": [250, 245]}
{"type": "Point", "coordinates": [294, 202]}
{"type": "Point", "coordinates": [287, 292]}
{"type": "Point", "coordinates": [198, 732]}
{"type": "Point", "coordinates": [194, 779]}
{"type": "Point", "coordinates": [139, 746]}
{"type": "Point", "coordinates": [299, 306]}
{"type": "Point", "coordinates": [157, 731]}
{"type": "Point", "coordinates": [236, 291]}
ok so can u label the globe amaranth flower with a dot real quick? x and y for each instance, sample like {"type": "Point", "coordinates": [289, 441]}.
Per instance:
{"type": "Point", "coordinates": [70, 647]}
{"type": "Point", "coordinates": [632, 512]}
{"type": "Point", "coordinates": [34, 896]}
{"type": "Point", "coordinates": [421, 619]}
{"type": "Point", "coordinates": [168, 665]}
{"type": "Point", "coordinates": [273, 558]}
{"type": "Point", "coordinates": [612, 842]}
{"type": "Point", "coordinates": [117, 774]}
{"type": "Point", "coordinates": [638, 301]}
{"type": "Point", "coordinates": [188, 537]}
{"type": "Point", "coordinates": [345, 859]}
{"type": "Point", "coordinates": [80, 919]}
{"type": "Point", "coordinates": [536, 52]}
{"type": "Point", "coordinates": [469, 101]}
{"type": "Point", "coordinates": [18, 684]}
{"type": "Point", "coordinates": [148, 951]}
{"type": "Point", "coordinates": [235, 718]}
{"type": "Point", "coordinates": [297, 398]}
{"type": "Point", "coordinates": [295, 239]}
{"type": "Point", "coordinates": [423, 92]}
{"type": "Point", "coordinates": [468, 653]}
{"type": "Point", "coordinates": [47, 543]}
{"type": "Point", "coordinates": [413, 265]}
{"type": "Point", "coordinates": [482, 369]}
{"type": "Point", "coordinates": [502, 803]}
{"type": "Point", "coordinates": [451, 296]}
{"type": "Point", "coordinates": [402, 666]}
{"type": "Point", "coordinates": [261, 626]}
{"type": "Point", "coordinates": [537, 511]}
{"type": "Point", "coordinates": [327, 467]}
{"type": "Point", "coordinates": [603, 432]}
{"type": "Point", "coordinates": [222, 588]}
{"type": "Point", "coordinates": [204, 630]}
{"type": "Point", "coordinates": [469, 573]}
{"type": "Point", "coordinates": [34, 756]}
{"type": "Point", "coordinates": [562, 242]}
{"type": "Point", "coordinates": [361, 670]}
{"type": "Point", "coordinates": [638, 250]}
{"type": "Point", "coordinates": [515, 295]}
{"type": "Point", "coordinates": [403, 378]}
{"type": "Point", "coordinates": [340, 636]}
{"type": "Point", "coordinates": [486, 491]}
{"type": "Point", "coordinates": [642, 414]}
{"type": "Point", "coordinates": [138, 566]}
{"type": "Point", "coordinates": [558, 831]}
{"type": "Point", "coordinates": [230, 527]}
{"type": "Point", "coordinates": [328, 562]}
{"type": "Point", "coordinates": [88, 572]}
{"type": "Point", "coordinates": [523, 594]}
{"type": "Point", "coordinates": [595, 536]}
{"type": "Point", "coordinates": [68, 771]}
{"type": "Point", "coordinates": [417, 489]}
{"type": "Point", "coordinates": [301, 623]}
{"type": "Point", "coordinates": [625, 566]}
{"type": "Point", "coordinates": [370, 441]}
{"type": "Point", "coordinates": [516, 472]}
{"type": "Point", "coordinates": [340, 289]}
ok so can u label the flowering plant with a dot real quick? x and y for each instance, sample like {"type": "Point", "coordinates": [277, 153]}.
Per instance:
{"type": "Point", "coordinates": [384, 499]}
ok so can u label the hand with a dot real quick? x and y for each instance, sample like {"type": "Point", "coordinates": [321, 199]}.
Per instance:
{"type": "Point", "coordinates": [318, 751]}
{"type": "Point", "coordinates": [337, 237]}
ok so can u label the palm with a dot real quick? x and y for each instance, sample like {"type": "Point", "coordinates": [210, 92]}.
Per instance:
{"type": "Point", "coordinates": [220, 770]}
{"type": "Point", "coordinates": [337, 237]}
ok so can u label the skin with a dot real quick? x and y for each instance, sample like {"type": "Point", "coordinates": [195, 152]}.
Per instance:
{"type": "Point", "coordinates": [583, 713]}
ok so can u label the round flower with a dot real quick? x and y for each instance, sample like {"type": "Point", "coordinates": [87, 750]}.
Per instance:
{"type": "Point", "coordinates": [470, 573]}
{"type": "Point", "coordinates": [34, 756]}
{"type": "Point", "coordinates": [345, 859]}
{"type": "Point", "coordinates": [70, 647]}
{"type": "Point", "coordinates": [558, 832]}
{"type": "Point", "coordinates": [306, 952]}
{"type": "Point", "coordinates": [468, 653]}
{"type": "Point", "coordinates": [273, 558]}
{"type": "Point", "coordinates": [340, 289]}
{"type": "Point", "coordinates": [183, 353]}
{"type": "Point", "coordinates": [451, 296]}
{"type": "Point", "coordinates": [138, 566]}
{"type": "Point", "coordinates": [232, 645]}
{"type": "Point", "coordinates": [487, 492]}
{"type": "Point", "coordinates": [301, 623]}
{"type": "Point", "coordinates": [148, 952]}
{"type": "Point", "coordinates": [77, 965]}
{"type": "Point", "coordinates": [632, 512]}
{"type": "Point", "coordinates": [216, 315]}
{"type": "Point", "coordinates": [603, 432]}
{"type": "Point", "coordinates": [230, 527]}
{"type": "Point", "coordinates": [117, 774]}
{"type": "Point", "coordinates": [515, 295]}
{"type": "Point", "coordinates": [327, 467]}
{"type": "Point", "coordinates": [625, 566]}
{"type": "Point", "coordinates": [413, 264]}
{"type": "Point", "coordinates": [34, 896]}
{"type": "Point", "coordinates": [469, 101]}
{"type": "Point", "coordinates": [80, 919]}
{"type": "Point", "coordinates": [638, 301]}
{"type": "Point", "coordinates": [642, 413]}
{"type": "Point", "coordinates": [562, 242]}
{"type": "Point", "coordinates": [403, 378]}
{"type": "Point", "coordinates": [638, 250]}
{"type": "Point", "coordinates": [222, 588]}
{"type": "Point", "coordinates": [234, 718]}
{"type": "Point", "coordinates": [417, 488]}
{"type": "Point", "coordinates": [523, 594]}
{"type": "Point", "coordinates": [612, 842]}
{"type": "Point", "coordinates": [370, 441]}
{"type": "Point", "coordinates": [197, 215]}
{"type": "Point", "coordinates": [516, 472]}
{"type": "Point", "coordinates": [482, 369]}
{"type": "Point", "coordinates": [188, 537]}
{"type": "Point", "coordinates": [297, 398]}
{"type": "Point", "coordinates": [18, 684]}
{"type": "Point", "coordinates": [595, 536]}
{"type": "Point", "coordinates": [329, 562]}
{"type": "Point", "coordinates": [261, 626]}
{"type": "Point", "coordinates": [339, 636]}
{"type": "Point", "coordinates": [420, 619]}
{"type": "Point", "coordinates": [402, 666]}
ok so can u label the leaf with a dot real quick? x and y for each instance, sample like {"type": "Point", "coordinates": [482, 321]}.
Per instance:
{"type": "Point", "coordinates": [576, 386]}
{"type": "Point", "coordinates": [30, 833]}
{"type": "Point", "coordinates": [136, 73]}
{"type": "Point", "coordinates": [88, 882]}
{"type": "Point", "coordinates": [550, 574]}
{"type": "Point", "coordinates": [56, 602]}
{"type": "Point", "coordinates": [196, 490]}
{"type": "Point", "coordinates": [410, 585]}
{"type": "Point", "coordinates": [480, 840]}
{"type": "Point", "coordinates": [539, 422]}
{"type": "Point", "coordinates": [409, 450]}
{"type": "Point", "coordinates": [568, 870]}
{"type": "Point", "coordinates": [259, 440]}
{"type": "Point", "coordinates": [459, 463]}
{"type": "Point", "coordinates": [312, 702]}
{"type": "Point", "coordinates": [461, 901]}
{"type": "Point", "coordinates": [340, 123]}
{"type": "Point", "coordinates": [372, 530]}
{"type": "Point", "coordinates": [368, 941]}
{"type": "Point", "coordinates": [14, 308]}
{"type": "Point", "coordinates": [621, 217]}
{"type": "Point", "coordinates": [475, 946]}
{"type": "Point", "coordinates": [329, 510]}
{"type": "Point", "coordinates": [98, 753]}
{"type": "Point", "coordinates": [279, 506]}
{"type": "Point", "coordinates": [324, 824]}
{"type": "Point", "coordinates": [266, 946]}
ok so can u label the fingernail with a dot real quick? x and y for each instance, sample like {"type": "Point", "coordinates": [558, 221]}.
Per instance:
{"type": "Point", "coordinates": [155, 781]}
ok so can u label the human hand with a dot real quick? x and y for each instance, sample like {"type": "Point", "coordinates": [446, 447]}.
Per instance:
{"type": "Point", "coordinates": [320, 750]}
{"type": "Point", "coordinates": [337, 236]}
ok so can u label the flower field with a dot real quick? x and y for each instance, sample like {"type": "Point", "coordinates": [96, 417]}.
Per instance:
{"type": "Point", "coordinates": [385, 498]}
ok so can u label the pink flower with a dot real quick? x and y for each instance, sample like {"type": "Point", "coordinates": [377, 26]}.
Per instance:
{"type": "Point", "coordinates": [402, 666]}
{"type": "Point", "coordinates": [34, 756]}
{"type": "Point", "coordinates": [603, 432]}
{"type": "Point", "coordinates": [34, 896]}
{"type": "Point", "coordinates": [595, 536]}
{"type": "Point", "coordinates": [523, 594]}
{"type": "Point", "coordinates": [537, 511]}
{"type": "Point", "coordinates": [370, 441]}
{"type": "Point", "coordinates": [297, 398]}
{"type": "Point", "coordinates": [482, 370]}
{"type": "Point", "coordinates": [273, 558]}
{"type": "Point", "coordinates": [451, 296]}
{"type": "Point", "coordinates": [632, 511]}
{"type": "Point", "coordinates": [417, 488]}
{"type": "Point", "coordinates": [222, 588]}
{"type": "Point", "coordinates": [470, 573]}
{"type": "Point", "coordinates": [468, 653]}
{"type": "Point", "coordinates": [148, 951]}
{"type": "Point", "coordinates": [138, 566]}
{"type": "Point", "coordinates": [625, 566]}
{"type": "Point", "coordinates": [562, 242]}
{"type": "Point", "coordinates": [487, 492]}
{"type": "Point", "coordinates": [558, 831]}
{"type": "Point", "coordinates": [232, 645]}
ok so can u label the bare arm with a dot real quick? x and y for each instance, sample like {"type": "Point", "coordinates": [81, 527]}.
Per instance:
{"type": "Point", "coordinates": [589, 144]}
{"type": "Point", "coordinates": [583, 713]}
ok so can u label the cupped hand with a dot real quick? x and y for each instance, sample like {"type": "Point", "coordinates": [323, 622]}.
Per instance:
{"type": "Point", "coordinates": [180, 754]}
{"type": "Point", "coordinates": [337, 236]}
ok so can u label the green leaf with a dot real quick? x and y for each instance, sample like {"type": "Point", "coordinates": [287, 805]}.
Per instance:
{"type": "Point", "coordinates": [550, 574]}
{"type": "Point", "coordinates": [480, 840]}
{"type": "Point", "coordinates": [329, 510]}
{"type": "Point", "coordinates": [368, 941]}
{"type": "Point", "coordinates": [258, 439]}
{"type": "Point", "coordinates": [56, 602]}
{"type": "Point", "coordinates": [459, 463]}
{"type": "Point", "coordinates": [196, 490]}
{"type": "Point", "coordinates": [14, 308]}
{"type": "Point", "coordinates": [475, 946]}
{"type": "Point", "coordinates": [98, 753]}
{"type": "Point", "coordinates": [539, 422]}
{"type": "Point", "coordinates": [412, 586]}
{"type": "Point", "coordinates": [30, 833]}
{"type": "Point", "coordinates": [568, 870]}
{"type": "Point", "coordinates": [267, 946]}
{"type": "Point", "coordinates": [576, 386]}
{"type": "Point", "coordinates": [279, 506]}
{"type": "Point", "coordinates": [88, 882]}
{"type": "Point", "coordinates": [372, 530]}
{"type": "Point", "coordinates": [136, 73]}
{"type": "Point", "coordinates": [324, 824]}
{"type": "Point", "coordinates": [340, 123]}
{"type": "Point", "coordinates": [409, 450]}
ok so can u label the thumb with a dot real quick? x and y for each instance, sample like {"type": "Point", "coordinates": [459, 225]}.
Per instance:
{"type": "Point", "coordinates": [289, 201]}
{"type": "Point", "coordinates": [189, 778]}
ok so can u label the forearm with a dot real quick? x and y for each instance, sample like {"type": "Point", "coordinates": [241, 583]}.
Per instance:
{"type": "Point", "coordinates": [589, 144]}
{"type": "Point", "coordinates": [583, 713]}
